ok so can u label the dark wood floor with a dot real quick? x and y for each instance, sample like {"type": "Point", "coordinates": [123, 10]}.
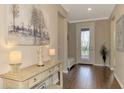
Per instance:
{"type": "Point", "coordinates": [90, 77]}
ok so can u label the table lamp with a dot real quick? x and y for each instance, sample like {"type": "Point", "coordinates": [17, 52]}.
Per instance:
{"type": "Point", "coordinates": [52, 53]}
{"type": "Point", "coordinates": [15, 60]}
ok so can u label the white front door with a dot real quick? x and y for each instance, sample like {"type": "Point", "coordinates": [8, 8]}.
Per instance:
{"type": "Point", "coordinates": [85, 43]}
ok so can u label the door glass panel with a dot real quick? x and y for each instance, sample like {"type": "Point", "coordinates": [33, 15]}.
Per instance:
{"type": "Point", "coordinates": [85, 43]}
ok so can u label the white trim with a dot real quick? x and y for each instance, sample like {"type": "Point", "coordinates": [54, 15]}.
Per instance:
{"type": "Point", "coordinates": [101, 65]}
{"type": "Point", "coordinates": [112, 69]}
{"type": "Point", "coordinates": [121, 85]}
{"type": "Point", "coordinates": [65, 71]}
{"type": "Point", "coordinates": [98, 64]}
{"type": "Point", "coordinates": [85, 63]}
{"type": "Point", "coordinates": [85, 20]}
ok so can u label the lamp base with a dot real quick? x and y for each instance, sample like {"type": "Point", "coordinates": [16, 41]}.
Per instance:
{"type": "Point", "coordinates": [40, 65]}
{"type": "Point", "coordinates": [15, 67]}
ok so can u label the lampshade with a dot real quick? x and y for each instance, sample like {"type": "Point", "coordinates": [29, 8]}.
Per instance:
{"type": "Point", "coordinates": [15, 57]}
{"type": "Point", "coordinates": [52, 52]}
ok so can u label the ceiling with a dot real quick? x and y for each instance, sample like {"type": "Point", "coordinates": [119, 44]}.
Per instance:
{"type": "Point", "coordinates": [79, 12]}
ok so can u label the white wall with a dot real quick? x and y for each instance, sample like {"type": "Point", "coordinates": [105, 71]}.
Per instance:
{"type": "Point", "coordinates": [29, 53]}
{"type": "Point", "coordinates": [117, 59]}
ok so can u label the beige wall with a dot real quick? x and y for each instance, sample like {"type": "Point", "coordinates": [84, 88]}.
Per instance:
{"type": "Point", "coordinates": [102, 36]}
{"type": "Point", "coordinates": [29, 53]}
{"type": "Point", "coordinates": [72, 40]}
{"type": "Point", "coordinates": [117, 61]}
{"type": "Point", "coordinates": [62, 40]}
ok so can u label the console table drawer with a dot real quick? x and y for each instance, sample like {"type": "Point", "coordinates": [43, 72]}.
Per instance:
{"type": "Point", "coordinates": [44, 75]}
{"type": "Point", "coordinates": [54, 69]}
{"type": "Point", "coordinates": [34, 76]}
{"type": "Point", "coordinates": [11, 84]}
{"type": "Point", "coordinates": [33, 81]}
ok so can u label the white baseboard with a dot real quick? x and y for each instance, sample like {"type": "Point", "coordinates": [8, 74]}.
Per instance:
{"type": "Point", "coordinates": [84, 63]}
{"type": "Point", "coordinates": [121, 85]}
{"type": "Point", "coordinates": [112, 69]}
{"type": "Point", "coordinates": [100, 65]}
{"type": "Point", "coordinates": [65, 71]}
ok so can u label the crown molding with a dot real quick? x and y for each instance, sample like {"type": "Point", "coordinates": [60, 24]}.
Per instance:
{"type": "Point", "coordinates": [85, 20]}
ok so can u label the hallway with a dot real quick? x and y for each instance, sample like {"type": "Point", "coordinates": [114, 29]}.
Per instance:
{"type": "Point", "coordinates": [90, 77]}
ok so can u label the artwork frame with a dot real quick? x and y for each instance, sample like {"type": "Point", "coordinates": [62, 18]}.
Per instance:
{"type": "Point", "coordinates": [26, 26]}
{"type": "Point", "coordinates": [120, 34]}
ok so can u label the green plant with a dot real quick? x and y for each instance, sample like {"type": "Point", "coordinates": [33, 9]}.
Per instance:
{"type": "Point", "coordinates": [104, 53]}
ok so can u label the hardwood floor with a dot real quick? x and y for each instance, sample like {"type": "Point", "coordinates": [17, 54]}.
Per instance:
{"type": "Point", "coordinates": [90, 77]}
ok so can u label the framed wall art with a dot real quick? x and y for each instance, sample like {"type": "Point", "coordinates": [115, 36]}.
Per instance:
{"type": "Point", "coordinates": [120, 34]}
{"type": "Point", "coordinates": [26, 25]}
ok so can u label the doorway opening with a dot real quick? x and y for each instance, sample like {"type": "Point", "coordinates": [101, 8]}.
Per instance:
{"type": "Point", "coordinates": [85, 44]}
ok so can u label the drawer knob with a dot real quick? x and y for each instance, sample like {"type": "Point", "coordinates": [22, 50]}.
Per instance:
{"type": "Point", "coordinates": [35, 79]}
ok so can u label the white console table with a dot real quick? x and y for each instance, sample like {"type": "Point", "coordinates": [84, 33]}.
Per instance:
{"type": "Point", "coordinates": [34, 77]}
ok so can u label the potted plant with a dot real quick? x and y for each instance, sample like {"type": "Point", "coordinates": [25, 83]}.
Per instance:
{"type": "Point", "coordinates": [104, 53]}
